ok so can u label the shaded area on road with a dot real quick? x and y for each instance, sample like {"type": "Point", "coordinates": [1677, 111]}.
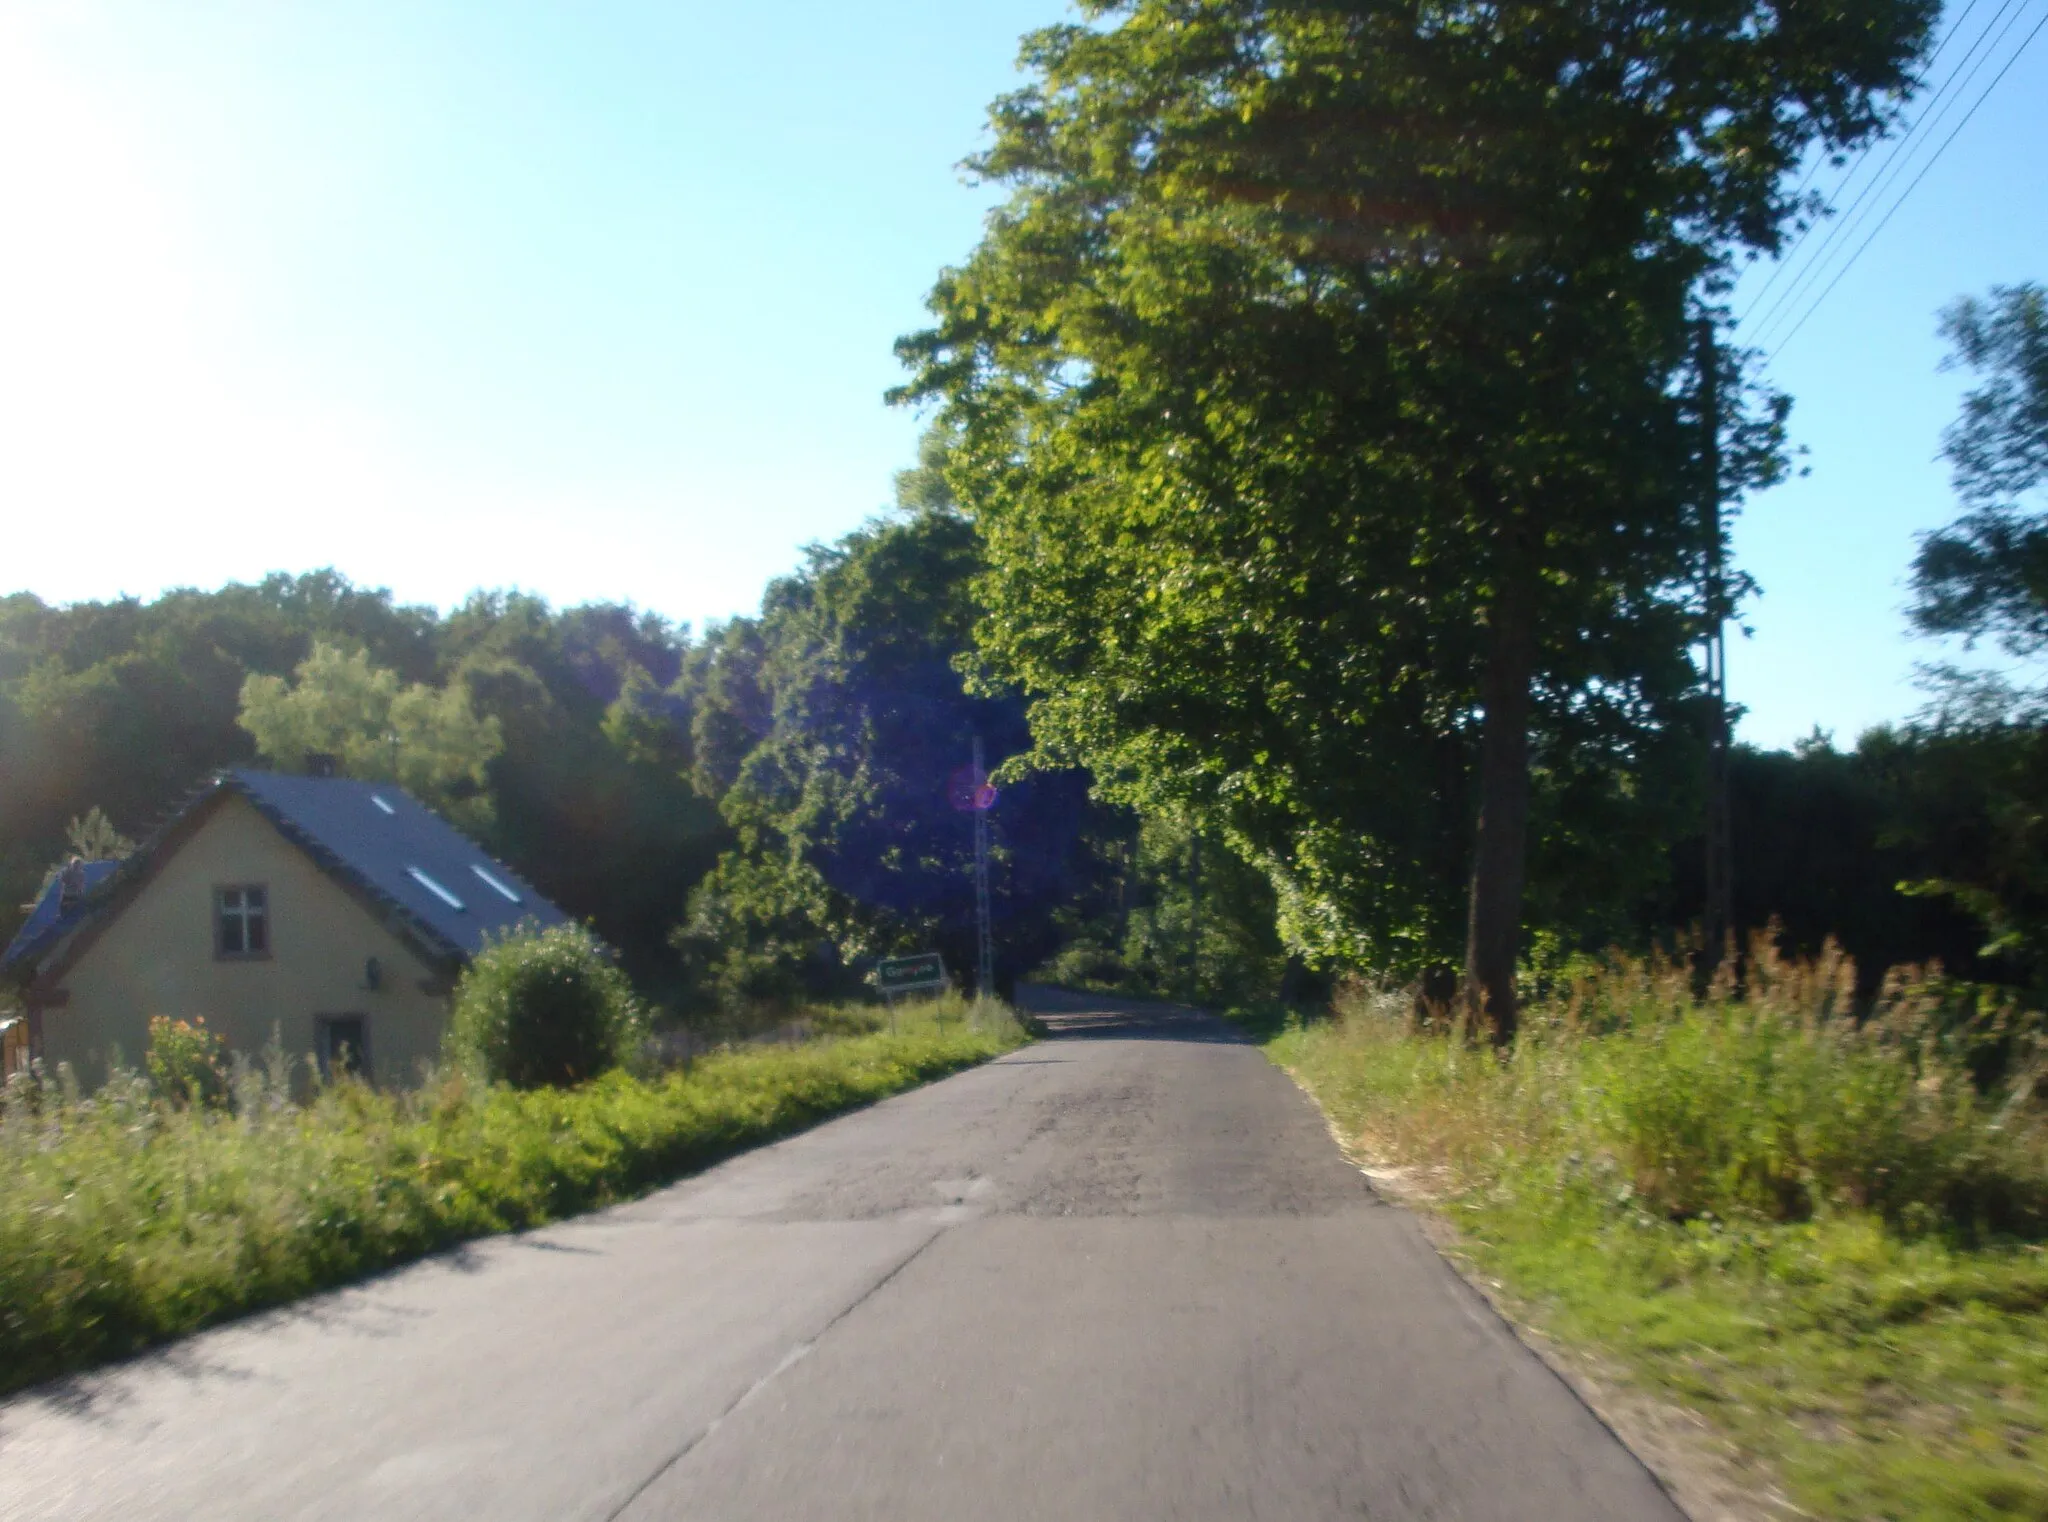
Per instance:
{"type": "Point", "coordinates": [1068, 1014]}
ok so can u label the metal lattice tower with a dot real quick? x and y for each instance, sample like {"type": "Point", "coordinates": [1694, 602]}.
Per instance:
{"type": "Point", "coordinates": [985, 942]}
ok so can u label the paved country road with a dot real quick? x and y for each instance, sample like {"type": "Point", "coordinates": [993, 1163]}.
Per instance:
{"type": "Point", "coordinates": [1122, 1274]}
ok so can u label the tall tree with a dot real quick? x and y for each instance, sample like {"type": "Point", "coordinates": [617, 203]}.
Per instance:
{"type": "Point", "coordinates": [1973, 794]}
{"type": "Point", "coordinates": [1321, 388]}
{"type": "Point", "coordinates": [1985, 576]}
{"type": "Point", "coordinates": [832, 727]}
{"type": "Point", "coordinates": [361, 717]}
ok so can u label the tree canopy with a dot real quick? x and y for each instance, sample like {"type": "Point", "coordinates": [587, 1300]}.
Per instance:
{"type": "Point", "coordinates": [1323, 399]}
{"type": "Point", "coordinates": [1985, 576]}
{"type": "Point", "coordinates": [533, 724]}
{"type": "Point", "coordinates": [356, 714]}
{"type": "Point", "coordinates": [830, 729]}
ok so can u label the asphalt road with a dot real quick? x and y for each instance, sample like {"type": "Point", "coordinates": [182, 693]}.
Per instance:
{"type": "Point", "coordinates": [1123, 1274]}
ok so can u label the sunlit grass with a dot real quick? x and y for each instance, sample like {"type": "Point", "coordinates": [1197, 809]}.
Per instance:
{"type": "Point", "coordinates": [124, 1221]}
{"type": "Point", "coordinates": [1819, 1235]}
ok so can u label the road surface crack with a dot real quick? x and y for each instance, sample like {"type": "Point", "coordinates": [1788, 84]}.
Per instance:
{"type": "Point", "coordinates": [789, 1360]}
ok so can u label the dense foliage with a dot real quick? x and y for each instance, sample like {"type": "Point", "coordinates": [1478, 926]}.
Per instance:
{"type": "Point", "coordinates": [528, 723]}
{"type": "Point", "coordinates": [1323, 386]}
{"type": "Point", "coordinates": [127, 1221]}
{"type": "Point", "coordinates": [1980, 803]}
{"type": "Point", "coordinates": [545, 1008]}
{"type": "Point", "coordinates": [1985, 576]}
{"type": "Point", "coordinates": [1782, 1218]}
{"type": "Point", "coordinates": [833, 730]}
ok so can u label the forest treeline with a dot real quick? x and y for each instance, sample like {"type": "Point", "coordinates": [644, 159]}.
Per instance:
{"type": "Point", "coordinates": [752, 814]}
{"type": "Point", "coordinates": [1317, 523]}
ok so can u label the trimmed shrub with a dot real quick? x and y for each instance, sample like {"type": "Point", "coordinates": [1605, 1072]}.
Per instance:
{"type": "Point", "coordinates": [545, 1009]}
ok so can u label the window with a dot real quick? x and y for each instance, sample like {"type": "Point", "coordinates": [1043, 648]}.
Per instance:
{"type": "Point", "coordinates": [433, 887]}
{"type": "Point", "coordinates": [241, 921]}
{"type": "Point", "coordinates": [492, 880]}
{"type": "Point", "coordinates": [344, 1045]}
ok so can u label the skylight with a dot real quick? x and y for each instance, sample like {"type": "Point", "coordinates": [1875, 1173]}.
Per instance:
{"type": "Point", "coordinates": [433, 887]}
{"type": "Point", "coordinates": [492, 881]}
{"type": "Point", "coordinates": [378, 799]}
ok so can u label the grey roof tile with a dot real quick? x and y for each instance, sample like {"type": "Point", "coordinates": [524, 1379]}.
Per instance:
{"type": "Point", "coordinates": [402, 852]}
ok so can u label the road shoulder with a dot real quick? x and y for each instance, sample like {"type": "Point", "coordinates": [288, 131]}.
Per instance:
{"type": "Point", "coordinates": [1701, 1471]}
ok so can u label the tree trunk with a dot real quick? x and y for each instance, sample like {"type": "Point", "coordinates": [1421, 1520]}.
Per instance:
{"type": "Point", "coordinates": [1500, 857]}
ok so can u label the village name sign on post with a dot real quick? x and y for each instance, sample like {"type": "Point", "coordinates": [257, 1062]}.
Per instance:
{"type": "Point", "coordinates": [924, 973]}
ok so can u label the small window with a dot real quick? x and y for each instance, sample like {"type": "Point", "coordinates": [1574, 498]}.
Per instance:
{"type": "Point", "coordinates": [345, 1046]}
{"type": "Point", "coordinates": [433, 887]}
{"type": "Point", "coordinates": [241, 921]}
{"type": "Point", "coordinates": [492, 880]}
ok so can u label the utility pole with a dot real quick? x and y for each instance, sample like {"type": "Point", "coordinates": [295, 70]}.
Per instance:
{"type": "Point", "coordinates": [985, 943]}
{"type": "Point", "coordinates": [1719, 916]}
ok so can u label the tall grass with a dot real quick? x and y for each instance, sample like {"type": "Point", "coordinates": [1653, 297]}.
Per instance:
{"type": "Point", "coordinates": [1777, 1106]}
{"type": "Point", "coordinates": [125, 1220]}
{"type": "Point", "coordinates": [1819, 1225]}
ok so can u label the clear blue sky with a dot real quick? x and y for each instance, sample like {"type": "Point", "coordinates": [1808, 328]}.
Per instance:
{"type": "Point", "coordinates": [597, 300]}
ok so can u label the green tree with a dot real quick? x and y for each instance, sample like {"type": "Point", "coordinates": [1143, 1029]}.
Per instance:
{"type": "Point", "coordinates": [126, 705]}
{"type": "Point", "coordinates": [1974, 798]}
{"type": "Point", "coordinates": [830, 728]}
{"type": "Point", "coordinates": [340, 705]}
{"type": "Point", "coordinates": [1985, 576]}
{"type": "Point", "coordinates": [92, 837]}
{"type": "Point", "coordinates": [593, 795]}
{"type": "Point", "coordinates": [1322, 400]}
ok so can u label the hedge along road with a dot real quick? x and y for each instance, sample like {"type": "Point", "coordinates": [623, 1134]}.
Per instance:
{"type": "Point", "coordinates": [1123, 1273]}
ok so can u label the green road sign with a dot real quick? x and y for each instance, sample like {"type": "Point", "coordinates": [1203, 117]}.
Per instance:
{"type": "Point", "coordinates": [905, 975]}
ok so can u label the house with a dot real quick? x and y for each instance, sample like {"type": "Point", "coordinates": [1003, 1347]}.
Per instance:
{"type": "Point", "coordinates": [335, 913]}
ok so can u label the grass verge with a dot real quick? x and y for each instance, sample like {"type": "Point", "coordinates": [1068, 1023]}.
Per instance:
{"type": "Point", "coordinates": [1818, 1235]}
{"type": "Point", "coordinates": [124, 1222]}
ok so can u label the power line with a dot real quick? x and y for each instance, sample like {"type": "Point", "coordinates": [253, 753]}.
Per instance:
{"type": "Point", "coordinates": [2015, 58]}
{"type": "Point", "coordinates": [1895, 165]}
{"type": "Point", "coordinates": [1887, 177]}
{"type": "Point", "coordinates": [1903, 150]}
{"type": "Point", "coordinates": [1784, 260]}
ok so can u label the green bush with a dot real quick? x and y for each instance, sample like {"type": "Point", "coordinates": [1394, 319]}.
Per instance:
{"type": "Point", "coordinates": [545, 1009]}
{"type": "Point", "coordinates": [1085, 964]}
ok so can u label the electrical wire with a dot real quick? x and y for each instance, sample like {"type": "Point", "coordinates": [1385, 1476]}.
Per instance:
{"type": "Point", "coordinates": [1904, 149]}
{"type": "Point", "coordinates": [1903, 146]}
{"type": "Point", "coordinates": [2015, 58]}
{"type": "Point", "coordinates": [1901, 160]}
{"type": "Point", "coordinates": [1784, 259]}
{"type": "Point", "coordinates": [1896, 164]}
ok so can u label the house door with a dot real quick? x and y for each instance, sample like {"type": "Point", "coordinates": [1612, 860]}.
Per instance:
{"type": "Point", "coordinates": [344, 1046]}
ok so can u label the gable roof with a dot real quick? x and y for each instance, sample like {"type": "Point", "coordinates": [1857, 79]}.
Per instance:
{"type": "Point", "coordinates": [433, 883]}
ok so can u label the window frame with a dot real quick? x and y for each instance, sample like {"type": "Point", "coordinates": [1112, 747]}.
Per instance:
{"type": "Point", "coordinates": [242, 915]}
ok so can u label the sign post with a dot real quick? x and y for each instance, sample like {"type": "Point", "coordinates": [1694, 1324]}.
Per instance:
{"type": "Point", "coordinates": [923, 973]}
